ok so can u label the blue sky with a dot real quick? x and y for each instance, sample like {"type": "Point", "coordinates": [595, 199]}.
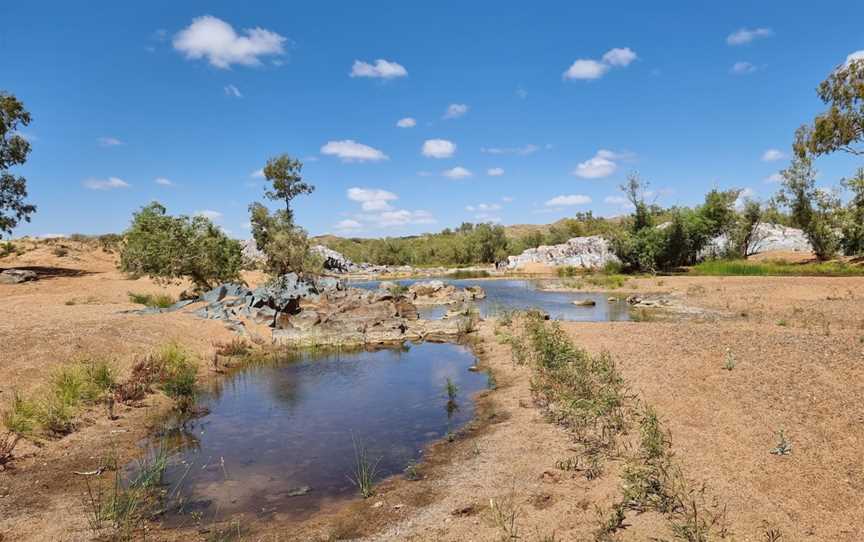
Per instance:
{"type": "Point", "coordinates": [527, 112]}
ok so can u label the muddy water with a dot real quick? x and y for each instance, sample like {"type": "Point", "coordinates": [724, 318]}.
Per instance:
{"type": "Point", "coordinates": [278, 437]}
{"type": "Point", "coordinates": [526, 294]}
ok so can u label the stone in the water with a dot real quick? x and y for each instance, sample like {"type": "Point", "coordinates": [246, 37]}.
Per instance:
{"type": "Point", "coordinates": [585, 303]}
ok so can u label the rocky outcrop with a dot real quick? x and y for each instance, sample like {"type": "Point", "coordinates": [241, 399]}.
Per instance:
{"type": "Point", "coordinates": [17, 276]}
{"type": "Point", "coordinates": [591, 252]}
{"type": "Point", "coordinates": [335, 261]}
{"type": "Point", "coordinates": [321, 312]}
{"type": "Point", "coordinates": [436, 292]}
{"type": "Point", "coordinates": [767, 237]}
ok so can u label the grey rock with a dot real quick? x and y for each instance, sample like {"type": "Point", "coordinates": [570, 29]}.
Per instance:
{"type": "Point", "coordinates": [17, 276]}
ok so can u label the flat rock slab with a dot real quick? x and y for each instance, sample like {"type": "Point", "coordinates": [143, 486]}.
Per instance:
{"type": "Point", "coordinates": [17, 276]}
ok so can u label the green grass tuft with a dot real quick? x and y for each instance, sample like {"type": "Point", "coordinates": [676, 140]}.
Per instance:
{"type": "Point", "coordinates": [159, 301]}
{"type": "Point", "coordinates": [776, 268]}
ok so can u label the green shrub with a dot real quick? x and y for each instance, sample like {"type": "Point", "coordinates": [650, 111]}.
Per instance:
{"type": "Point", "coordinates": [166, 247]}
{"type": "Point", "coordinates": [161, 301]}
{"type": "Point", "coordinates": [177, 372]}
{"type": "Point", "coordinates": [21, 416]}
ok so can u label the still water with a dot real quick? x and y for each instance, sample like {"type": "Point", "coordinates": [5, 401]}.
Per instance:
{"type": "Point", "coordinates": [509, 294]}
{"type": "Point", "coordinates": [278, 438]}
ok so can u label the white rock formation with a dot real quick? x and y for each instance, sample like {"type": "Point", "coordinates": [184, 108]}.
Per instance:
{"type": "Point", "coordinates": [768, 237]}
{"type": "Point", "coordinates": [591, 252]}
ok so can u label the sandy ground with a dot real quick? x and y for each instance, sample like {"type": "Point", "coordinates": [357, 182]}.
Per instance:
{"type": "Point", "coordinates": [798, 344]}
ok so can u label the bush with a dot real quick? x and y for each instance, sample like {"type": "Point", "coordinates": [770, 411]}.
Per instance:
{"type": "Point", "coordinates": [166, 247]}
{"type": "Point", "coordinates": [161, 301]}
{"type": "Point", "coordinates": [853, 222]}
{"type": "Point", "coordinates": [285, 246]}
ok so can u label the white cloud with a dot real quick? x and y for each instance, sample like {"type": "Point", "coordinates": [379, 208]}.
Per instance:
{"type": "Point", "coordinates": [519, 151]}
{"type": "Point", "coordinates": [573, 199]}
{"type": "Point", "coordinates": [742, 68]}
{"type": "Point", "coordinates": [407, 122]}
{"type": "Point", "coordinates": [743, 196]}
{"type": "Point", "coordinates": [454, 111]}
{"type": "Point", "coordinates": [372, 199]}
{"type": "Point", "coordinates": [506, 199]}
{"type": "Point", "coordinates": [401, 217]}
{"type": "Point", "coordinates": [615, 200]}
{"type": "Point", "coordinates": [586, 69]}
{"type": "Point", "coordinates": [109, 142]}
{"type": "Point", "coordinates": [162, 181]}
{"type": "Point", "coordinates": [483, 207]}
{"type": "Point", "coordinates": [600, 165]}
{"type": "Point", "coordinates": [349, 150]}
{"type": "Point", "coordinates": [772, 155]}
{"type": "Point", "coordinates": [495, 172]}
{"type": "Point", "coordinates": [105, 184]}
{"type": "Point", "coordinates": [382, 69]}
{"type": "Point", "coordinates": [209, 213]}
{"type": "Point", "coordinates": [619, 56]}
{"type": "Point", "coordinates": [234, 92]}
{"type": "Point", "coordinates": [774, 178]}
{"type": "Point", "coordinates": [589, 69]}
{"type": "Point", "coordinates": [348, 224]}
{"type": "Point", "coordinates": [218, 42]}
{"type": "Point", "coordinates": [438, 148]}
{"type": "Point", "coordinates": [747, 35]}
{"type": "Point", "coordinates": [257, 174]}
{"type": "Point", "coordinates": [457, 172]}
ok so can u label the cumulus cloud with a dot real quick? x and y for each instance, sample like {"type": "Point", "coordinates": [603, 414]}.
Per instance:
{"type": "Point", "coordinates": [772, 155]}
{"type": "Point", "coordinates": [209, 213]}
{"type": "Point", "coordinates": [742, 68]}
{"type": "Point", "coordinates": [216, 41]}
{"type": "Point", "coordinates": [519, 151]}
{"type": "Point", "coordinates": [774, 178]}
{"type": "Point", "coordinates": [619, 57]}
{"type": "Point", "coordinates": [234, 92]}
{"type": "Point", "coordinates": [615, 200]}
{"type": "Point", "coordinates": [378, 212]}
{"type": "Point", "coordinates": [747, 35]}
{"type": "Point", "coordinates": [349, 150]}
{"type": "Point", "coordinates": [589, 69]}
{"type": "Point", "coordinates": [495, 172]}
{"type": "Point", "coordinates": [162, 181]}
{"type": "Point", "coordinates": [586, 69]}
{"type": "Point", "coordinates": [438, 148]}
{"type": "Point", "coordinates": [257, 174]}
{"type": "Point", "coordinates": [454, 111]}
{"type": "Point", "coordinates": [483, 207]}
{"type": "Point", "coordinates": [407, 122]}
{"type": "Point", "coordinates": [105, 184]}
{"type": "Point", "coordinates": [563, 201]}
{"type": "Point", "coordinates": [600, 165]}
{"type": "Point", "coordinates": [109, 142]}
{"type": "Point", "coordinates": [457, 172]}
{"type": "Point", "coordinates": [381, 69]}
{"type": "Point", "coordinates": [372, 199]}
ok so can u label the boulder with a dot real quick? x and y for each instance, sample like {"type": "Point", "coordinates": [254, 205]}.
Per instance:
{"type": "Point", "coordinates": [768, 237]}
{"type": "Point", "coordinates": [584, 302]}
{"type": "Point", "coordinates": [592, 252]}
{"type": "Point", "coordinates": [436, 292]}
{"type": "Point", "coordinates": [334, 261]}
{"type": "Point", "coordinates": [17, 276]}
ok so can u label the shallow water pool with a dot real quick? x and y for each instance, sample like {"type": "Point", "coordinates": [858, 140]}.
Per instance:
{"type": "Point", "coordinates": [279, 437]}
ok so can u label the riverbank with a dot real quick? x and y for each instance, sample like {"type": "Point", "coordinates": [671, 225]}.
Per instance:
{"type": "Point", "coordinates": [786, 357]}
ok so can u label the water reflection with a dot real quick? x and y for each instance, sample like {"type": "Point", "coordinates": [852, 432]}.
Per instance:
{"type": "Point", "coordinates": [506, 294]}
{"type": "Point", "coordinates": [278, 436]}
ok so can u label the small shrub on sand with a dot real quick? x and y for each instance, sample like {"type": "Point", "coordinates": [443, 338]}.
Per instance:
{"type": "Point", "coordinates": [177, 372]}
{"type": "Point", "coordinates": [160, 301]}
{"type": "Point", "coordinates": [232, 348]}
{"type": "Point", "coordinates": [20, 418]}
{"type": "Point", "coordinates": [7, 445]}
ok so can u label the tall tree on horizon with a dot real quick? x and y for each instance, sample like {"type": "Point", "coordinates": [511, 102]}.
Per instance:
{"type": "Point", "coordinates": [14, 149]}
{"type": "Point", "coordinates": [285, 174]}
